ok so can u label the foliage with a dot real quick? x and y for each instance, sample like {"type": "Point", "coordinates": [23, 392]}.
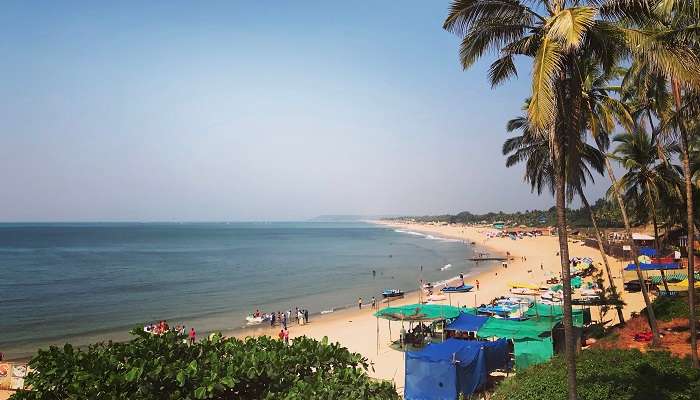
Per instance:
{"type": "Point", "coordinates": [607, 214]}
{"type": "Point", "coordinates": [606, 375]}
{"type": "Point", "coordinates": [668, 308]}
{"type": "Point", "coordinates": [165, 367]}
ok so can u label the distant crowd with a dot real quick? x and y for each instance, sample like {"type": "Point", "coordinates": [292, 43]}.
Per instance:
{"type": "Point", "coordinates": [162, 327]}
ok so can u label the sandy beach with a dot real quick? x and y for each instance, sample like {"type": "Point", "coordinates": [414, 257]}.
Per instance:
{"type": "Point", "coordinates": [533, 259]}
{"type": "Point", "coordinates": [358, 330]}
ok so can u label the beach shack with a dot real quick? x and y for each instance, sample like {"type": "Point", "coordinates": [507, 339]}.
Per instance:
{"type": "Point", "coordinates": [420, 323]}
{"type": "Point", "coordinates": [499, 225]}
{"type": "Point", "coordinates": [534, 338]}
{"type": "Point", "coordinates": [445, 370]}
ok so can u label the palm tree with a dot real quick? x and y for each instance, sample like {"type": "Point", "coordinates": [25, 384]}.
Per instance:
{"type": "Point", "coordinates": [554, 33]}
{"type": "Point", "coordinates": [602, 112]}
{"type": "Point", "coordinates": [676, 21]}
{"type": "Point", "coordinates": [539, 173]}
{"type": "Point", "coordinates": [646, 180]}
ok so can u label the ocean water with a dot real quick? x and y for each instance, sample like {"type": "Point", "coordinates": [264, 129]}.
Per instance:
{"type": "Point", "coordinates": [88, 282]}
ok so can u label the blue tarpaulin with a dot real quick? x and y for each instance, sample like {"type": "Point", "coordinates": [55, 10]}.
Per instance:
{"type": "Point", "coordinates": [467, 323]}
{"type": "Point", "coordinates": [652, 267]}
{"type": "Point", "coordinates": [647, 251]}
{"type": "Point", "coordinates": [442, 371]}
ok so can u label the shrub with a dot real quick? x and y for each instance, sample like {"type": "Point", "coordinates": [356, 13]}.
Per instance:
{"type": "Point", "coordinates": [668, 308]}
{"type": "Point", "coordinates": [607, 375]}
{"type": "Point", "coordinates": [164, 367]}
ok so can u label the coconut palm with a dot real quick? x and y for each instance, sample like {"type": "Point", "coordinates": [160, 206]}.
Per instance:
{"type": "Point", "coordinates": [647, 179]}
{"type": "Point", "coordinates": [555, 33]}
{"type": "Point", "coordinates": [602, 113]}
{"type": "Point", "coordinates": [539, 173]}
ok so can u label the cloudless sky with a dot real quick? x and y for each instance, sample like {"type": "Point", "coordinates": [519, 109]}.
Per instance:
{"type": "Point", "coordinates": [237, 110]}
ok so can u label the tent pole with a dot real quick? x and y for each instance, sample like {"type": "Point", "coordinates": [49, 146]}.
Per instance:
{"type": "Point", "coordinates": [377, 335]}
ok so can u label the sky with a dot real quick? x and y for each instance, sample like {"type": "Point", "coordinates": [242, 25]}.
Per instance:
{"type": "Point", "coordinates": [233, 110]}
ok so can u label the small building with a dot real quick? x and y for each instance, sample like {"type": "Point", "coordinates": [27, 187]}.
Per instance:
{"type": "Point", "coordinates": [499, 225]}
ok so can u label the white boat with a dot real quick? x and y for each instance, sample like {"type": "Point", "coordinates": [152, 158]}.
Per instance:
{"type": "Point", "coordinates": [255, 320]}
{"type": "Point", "coordinates": [446, 267]}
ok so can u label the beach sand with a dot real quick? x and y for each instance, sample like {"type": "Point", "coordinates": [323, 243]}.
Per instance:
{"type": "Point", "coordinates": [358, 330]}
{"type": "Point", "coordinates": [361, 332]}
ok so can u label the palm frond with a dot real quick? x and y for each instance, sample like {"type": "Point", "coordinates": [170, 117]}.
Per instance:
{"type": "Point", "coordinates": [548, 64]}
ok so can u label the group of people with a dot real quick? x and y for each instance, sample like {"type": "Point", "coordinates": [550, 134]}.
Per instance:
{"type": "Point", "coordinates": [284, 335]}
{"type": "Point", "coordinates": [282, 318]}
{"type": "Point", "coordinates": [373, 303]}
{"type": "Point", "coordinates": [162, 327]}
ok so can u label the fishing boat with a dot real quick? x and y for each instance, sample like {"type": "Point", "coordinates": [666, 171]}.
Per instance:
{"type": "Point", "coordinates": [392, 293]}
{"type": "Point", "coordinates": [457, 289]}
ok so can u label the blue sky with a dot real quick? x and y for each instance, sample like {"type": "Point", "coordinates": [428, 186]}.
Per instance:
{"type": "Point", "coordinates": [247, 110]}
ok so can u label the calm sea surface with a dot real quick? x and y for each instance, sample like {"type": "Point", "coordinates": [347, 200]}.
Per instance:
{"type": "Point", "coordinates": [88, 282]}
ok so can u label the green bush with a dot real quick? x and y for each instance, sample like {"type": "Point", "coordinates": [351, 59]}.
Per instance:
{"type": "Point", "coordinates": [607, 375]}
{"type": "Point", "coordinates": [164, 367]}
{"type": "Point", "coordinates": [667, 308]}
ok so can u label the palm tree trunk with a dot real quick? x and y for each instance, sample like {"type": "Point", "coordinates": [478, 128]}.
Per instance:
{"type": "Point", "coordinates": [560, 193]}
{"type": "Point", "coordinates": [652, 205]}
{"type": "Point", "coordinates": [691, 225]}
{"type": "Point", "coordinates": [635, 254]}
{"type": "Point", "coordinates": [599, 238]}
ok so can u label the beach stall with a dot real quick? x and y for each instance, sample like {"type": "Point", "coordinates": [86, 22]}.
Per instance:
{"type": "Point", "coordinates": [656, 266]}
{"type": "Point", "coordinates": [532, 338]}
{"type": "Point", "coordinates": [416, 316]}
{"type": "Point", "coordinates": [445, 370]}
{"type": "Point", "coordinates": [466, 325]}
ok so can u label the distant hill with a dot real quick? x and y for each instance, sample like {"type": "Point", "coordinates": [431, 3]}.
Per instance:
{"type": "Point", "coordinates": [349, 218]}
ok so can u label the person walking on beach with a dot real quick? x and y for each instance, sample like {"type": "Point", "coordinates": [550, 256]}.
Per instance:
{"type": "Point", "coordinates": [272, 319]}
{"type": "Point", "coordinates": [281, 335]}
{"type": "Point", "coordinates": [193, 336]}
{"type": "Point", "coordinates": [284, 320]}
{"type": "Point", "coordinates": [286, 337]}
{"type": "Point", "coordinates": [359, 303]}
{"type": "Point", "coordinates": [306, 316]}
{"type": "Point", "coordinates": [374, 303]}
{"type": "Point", "coordinates": [477, 285]}
{"type": "Point", "coordinates": [296, 314]}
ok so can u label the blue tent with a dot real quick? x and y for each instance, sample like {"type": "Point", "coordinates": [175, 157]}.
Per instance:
{"type": "Point", "coordinates": [647, 251]}
{"type": "Point", "coordinates": [466, 323]}
{"type": "Point", "coordinates": [442, 371]}
{"type": "Point", "coordinates": [652, 267]}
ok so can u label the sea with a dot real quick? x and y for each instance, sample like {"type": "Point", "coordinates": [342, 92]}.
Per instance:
{"type": "Point", "coordinates": [89, 282]}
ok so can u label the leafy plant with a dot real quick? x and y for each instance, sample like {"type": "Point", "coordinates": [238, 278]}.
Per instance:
{"type": "Point", "coordinates": [606, 375]}
{"type": "Point", "coordinates": [165, 367]}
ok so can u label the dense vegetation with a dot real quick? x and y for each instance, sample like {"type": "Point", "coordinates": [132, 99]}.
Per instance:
{"type": "Point", "coordinates": [607, 375]}
{"type": "Point", "coordinates": [668, 308]}
{"type": "Point", "coordinates": [165, 367]}
{"type": "Point", "coordinates": [607, 213]}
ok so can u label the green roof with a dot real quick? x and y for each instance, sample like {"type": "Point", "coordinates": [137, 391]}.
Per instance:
{"type": "Point", "coordinates": [544, 310]}
{"type": "Point", "coordinates": [533, 328]}
{"type": "Point", "coordinates": [418, 312]}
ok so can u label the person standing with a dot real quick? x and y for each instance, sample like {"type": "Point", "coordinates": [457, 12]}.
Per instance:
{"type": "Point", "coordinates": [193, 336]}
{"type": "Point", "coordinates": [284, 320]}
{"type": "Point", "coordinates": [281, 335]}
{"type": "Point", "coordinates": [477, 285]}
{"type": "Point", "coordinates": [286, 337]}
{"type": "Point", "coordinates": [296, 314]}
{"type": "Point", "coordinates": [374, 303]}
{"type": "Point", "coordinates": [359, 303]}
{"type": "Point", "coordinates": [306, 316]}
{"type": "Point", "coordinates": [272, 319]}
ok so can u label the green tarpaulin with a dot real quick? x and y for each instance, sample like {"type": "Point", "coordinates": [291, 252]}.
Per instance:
{"type": "Point", "coordinates": [534, 328]}
{"type": "Point", "coordinates": [418, 312]}
{"type": "Point", "coordinates": [543, 310]}
{"type": "Point", "coordinates": [529, 352]}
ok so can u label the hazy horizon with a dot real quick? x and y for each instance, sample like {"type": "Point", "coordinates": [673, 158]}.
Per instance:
{"type": "Point", "coordinates": [224, 111]}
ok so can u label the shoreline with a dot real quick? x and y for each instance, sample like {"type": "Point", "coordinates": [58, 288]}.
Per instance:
{"type": "Point", "coordinates": [532, 259]}
{"type": "Point", "coordinates": [241, 331]}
